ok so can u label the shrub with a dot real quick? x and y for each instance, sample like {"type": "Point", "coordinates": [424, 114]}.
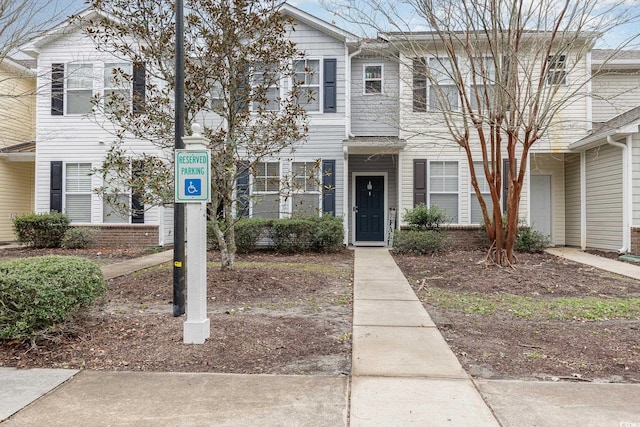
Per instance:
{"type": "Point", "coordinates": [530, 240]}
{"type": "Point", "coordinates": [248, 232]}
{"type": "Point", "coordinates": [420, 241]}
{"type": "Point", "coordinates": [41, 230]}
{"type": "Point", "coordinates": [38, 293]}
{"type": "Point", "coordinates": [328, 235]}
{"type": "Point", "coordinates": [423, 216]}
{"type": "Point", "coordinates": [293, 235]}
{"type": "Point", "coordinates": [77, 238]}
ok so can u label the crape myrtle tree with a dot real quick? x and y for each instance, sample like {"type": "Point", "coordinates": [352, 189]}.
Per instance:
{"type": "Point", "coordinates": [239, 85]}
{"type": "Point", "coordinates": [497, 73]}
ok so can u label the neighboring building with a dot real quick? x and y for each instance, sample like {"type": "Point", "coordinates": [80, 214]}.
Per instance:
{"type": "Point", "coordinates": [377, 154]}
{"type": "Point", "coordinates": [17, 146]}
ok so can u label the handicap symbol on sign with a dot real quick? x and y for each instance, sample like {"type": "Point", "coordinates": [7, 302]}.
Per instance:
{"type": "Point", "coordinates": [193, 187]}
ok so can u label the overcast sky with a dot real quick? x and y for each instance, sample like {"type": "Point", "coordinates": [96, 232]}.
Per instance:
{"type": "Point", "coordinates": [61, 8]}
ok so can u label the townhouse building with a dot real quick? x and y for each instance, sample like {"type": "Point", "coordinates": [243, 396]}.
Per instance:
{"type": "Point", "coordinates": [378, 154]}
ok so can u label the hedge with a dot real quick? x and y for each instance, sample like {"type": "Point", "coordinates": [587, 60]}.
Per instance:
{"type": "Point", "coordinates": [41, 230]}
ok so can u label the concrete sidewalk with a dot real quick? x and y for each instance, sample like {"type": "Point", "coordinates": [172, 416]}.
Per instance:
{"type": "Point", "coordinates": [606, 264]}
{"type": "Point", "coordinates": [403, 373]}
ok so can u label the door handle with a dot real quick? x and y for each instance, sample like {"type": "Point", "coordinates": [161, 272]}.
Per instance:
{"type": "Point", "coordinates": [355, 209]}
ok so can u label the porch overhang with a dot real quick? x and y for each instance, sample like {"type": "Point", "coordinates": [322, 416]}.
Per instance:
{"type": "Point", "coordinates": [617, 128]}
{"type": "Point", "coordinates": [23, 152]}
{"type": "Point", "coordinates": [374, 145]}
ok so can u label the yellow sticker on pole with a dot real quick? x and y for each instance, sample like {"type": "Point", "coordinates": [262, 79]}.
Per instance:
{"type": "Point", "coordinates": [177, 264]}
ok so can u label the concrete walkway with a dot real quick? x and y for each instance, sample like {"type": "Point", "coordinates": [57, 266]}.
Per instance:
{"type": "Point", "coordinates": [606, 264]}
{"type": "Point", "coordinates": [403, 373]}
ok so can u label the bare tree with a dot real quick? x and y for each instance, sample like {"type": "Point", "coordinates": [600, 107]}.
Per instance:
{"type": "Point", "coordinates": [497, 76]}
{"type": "Point", "coordinates": [237, 59]}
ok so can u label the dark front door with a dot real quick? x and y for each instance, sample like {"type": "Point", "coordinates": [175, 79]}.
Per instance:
{"type": "Point", "coordinates": [370, 208]}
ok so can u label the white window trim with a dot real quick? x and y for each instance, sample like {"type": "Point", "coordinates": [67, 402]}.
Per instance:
{"type": "Point", "coordinates": [66, 86]}
{"type": "Point", "coordinates": [365, 79]}
{"type": "Point", "coordinates": [281, 91]}
{"type": "Point", "coordinates": [430, 84]}
{"type": "Point", "coordinates": [320, 94]}
{"type": "Point", "coordinates": [65, 191]}
{"type": "Point", "coordinates": [458, 192]}
{"type": "Point", "coordinates": [252, 188]}
{"type": "Point", "coordinates": [555, 70]}
{"type": "Point", "coordinates": [106, 88]}
{"type": "Point", "coordinates": [296, 191]}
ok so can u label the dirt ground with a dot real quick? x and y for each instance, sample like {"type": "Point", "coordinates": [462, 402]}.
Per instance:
{"type": "Point", "coordinates": [275, 314]}
{"type": "Point", "coordinates": [496, 344]}
{"type": "Point", "coordinates": [292, 314]}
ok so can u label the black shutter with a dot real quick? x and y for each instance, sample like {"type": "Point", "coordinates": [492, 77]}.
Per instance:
{"type": "Point", "coordinates": [242, 89]}
{"type": "Point", "coordinates": [419, 85]}
{"type": "Point", "coordinates": [137, 206]}
{"type": "Point", "coordinates": [419, 182]}
{"type": "Point", "coordinates": [329, 187]}
{"type": "Point", "coordinates": [330, 83]}
{"type": "Point", "coordinates": [139, 88]}
{"type": "Point", "coordinates": [57, 89]}
{"type": "Point", "coordinates": [55, 187]}
{"type": "Point", "coordinates": [242, 190]}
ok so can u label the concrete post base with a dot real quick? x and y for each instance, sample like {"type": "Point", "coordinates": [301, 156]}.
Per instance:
{"type": "Point", "coordinates": [196, 332]}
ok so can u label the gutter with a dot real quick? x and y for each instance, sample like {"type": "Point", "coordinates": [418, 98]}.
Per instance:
{"type": "Point", "coordinates": [627, 194]}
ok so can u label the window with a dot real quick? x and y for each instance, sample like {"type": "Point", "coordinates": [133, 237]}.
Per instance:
{"type": "Point", "coordinates": [419, 85]}
{"type": "Point", "coordinates": [485, 78]}
{"type": "Point", "coordinates": [476, 211]}
{"type": "Point", "coordinates": [306, 189]}
{"type": "Point", "coordinates": [111, 214]}
{"type": "Point", "coordinates": [79, 88]}
{"type": "Point", "coordinates": [556, 70]}
{"type": "Point", "coordinates": [266, 84]}
{"type": "Point", "coordinates": [373, 79]}
{"type": "Point", "coordinates": [307, 75]}
{"type": "Point", "coordinates": [117, 89]}
{"type": "Point", "coordinates": [443, 187]}
{"type": "Point", "coordinates": [443, 95]}
{"type": "Point", "coordinates": [266, 190]}
{"type": "Point", "coordinates": [78, 192]}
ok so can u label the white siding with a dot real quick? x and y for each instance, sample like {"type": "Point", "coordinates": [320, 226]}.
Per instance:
{"type": "Point", "coordinates": [614, 93]}
{"type": "Point", "coordinates": [604, 197]}
{"type": "Point", "coordinates": [635, 176]}
{"type": "Point", "coordinates": [74, 138]}
{"type": "Point", "coordinates": [572, 200]}
{"type": "Point", "coordinates": [374, 114]}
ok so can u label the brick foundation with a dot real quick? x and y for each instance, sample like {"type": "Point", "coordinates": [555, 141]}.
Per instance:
{"type": "Point", "coordinates": [465, 237]}
{"type": "Point", "coordinates": [635, 241]}
{"type": "Point", "coordinates": [123, 235]}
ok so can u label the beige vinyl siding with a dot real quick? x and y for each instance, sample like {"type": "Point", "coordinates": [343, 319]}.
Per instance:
{"type": "Point", "coordinates": [16, 197]}
{"type": "Point", "coordinates": [374, 114]}
{"type": "Point", "coordinates": [572, 200]}
{"type": "Point", "coordinates": [553, 164]}
{"type": "Point", "coordinates": [604, 197]}
{"type": "Point", "coordinates": [17, 115]}
{"type": "Point", "coordinates": [614, 93]}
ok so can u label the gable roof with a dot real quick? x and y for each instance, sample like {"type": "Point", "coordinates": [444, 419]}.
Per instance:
{"type": "Point", "coordinates": [318, 24]}
{"type": "Point", "coordinates": [622, 125]}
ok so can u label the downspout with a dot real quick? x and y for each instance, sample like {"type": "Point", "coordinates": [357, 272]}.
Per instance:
{"type": "Point", "coordinates": [348, 92]}
{"type": "Point", "coordinates": [626, 196]}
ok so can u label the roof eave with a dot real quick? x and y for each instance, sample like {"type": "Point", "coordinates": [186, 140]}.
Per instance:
{"type": "Point", "coordinates": [600, 138]}
{"type": "Point", "coordinates": [319, 24]}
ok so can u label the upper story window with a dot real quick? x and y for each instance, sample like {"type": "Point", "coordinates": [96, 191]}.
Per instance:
{"type": "Point", "coordinates": [73, 86]}
{"type": "Point", "coordinates": [266, 84]}
{"type": "Point", "coordinates": [79, 91]}
{"type": "Point", "coordinates": [307, 75]}
{"type": "Point", "coordinates": [556, 70]}
{"type": "Point", "coordinates": [434, 88]}
{"type": "Point", "coordinates": [373, 83]}
{"type": "Point", "coordinates": [117, 88]}
{"type": "Point", "coordinates": [483, 83]}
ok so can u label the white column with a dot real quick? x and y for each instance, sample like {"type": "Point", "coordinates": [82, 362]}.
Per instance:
{"type": "Point", "coordinates": [197, 327]}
